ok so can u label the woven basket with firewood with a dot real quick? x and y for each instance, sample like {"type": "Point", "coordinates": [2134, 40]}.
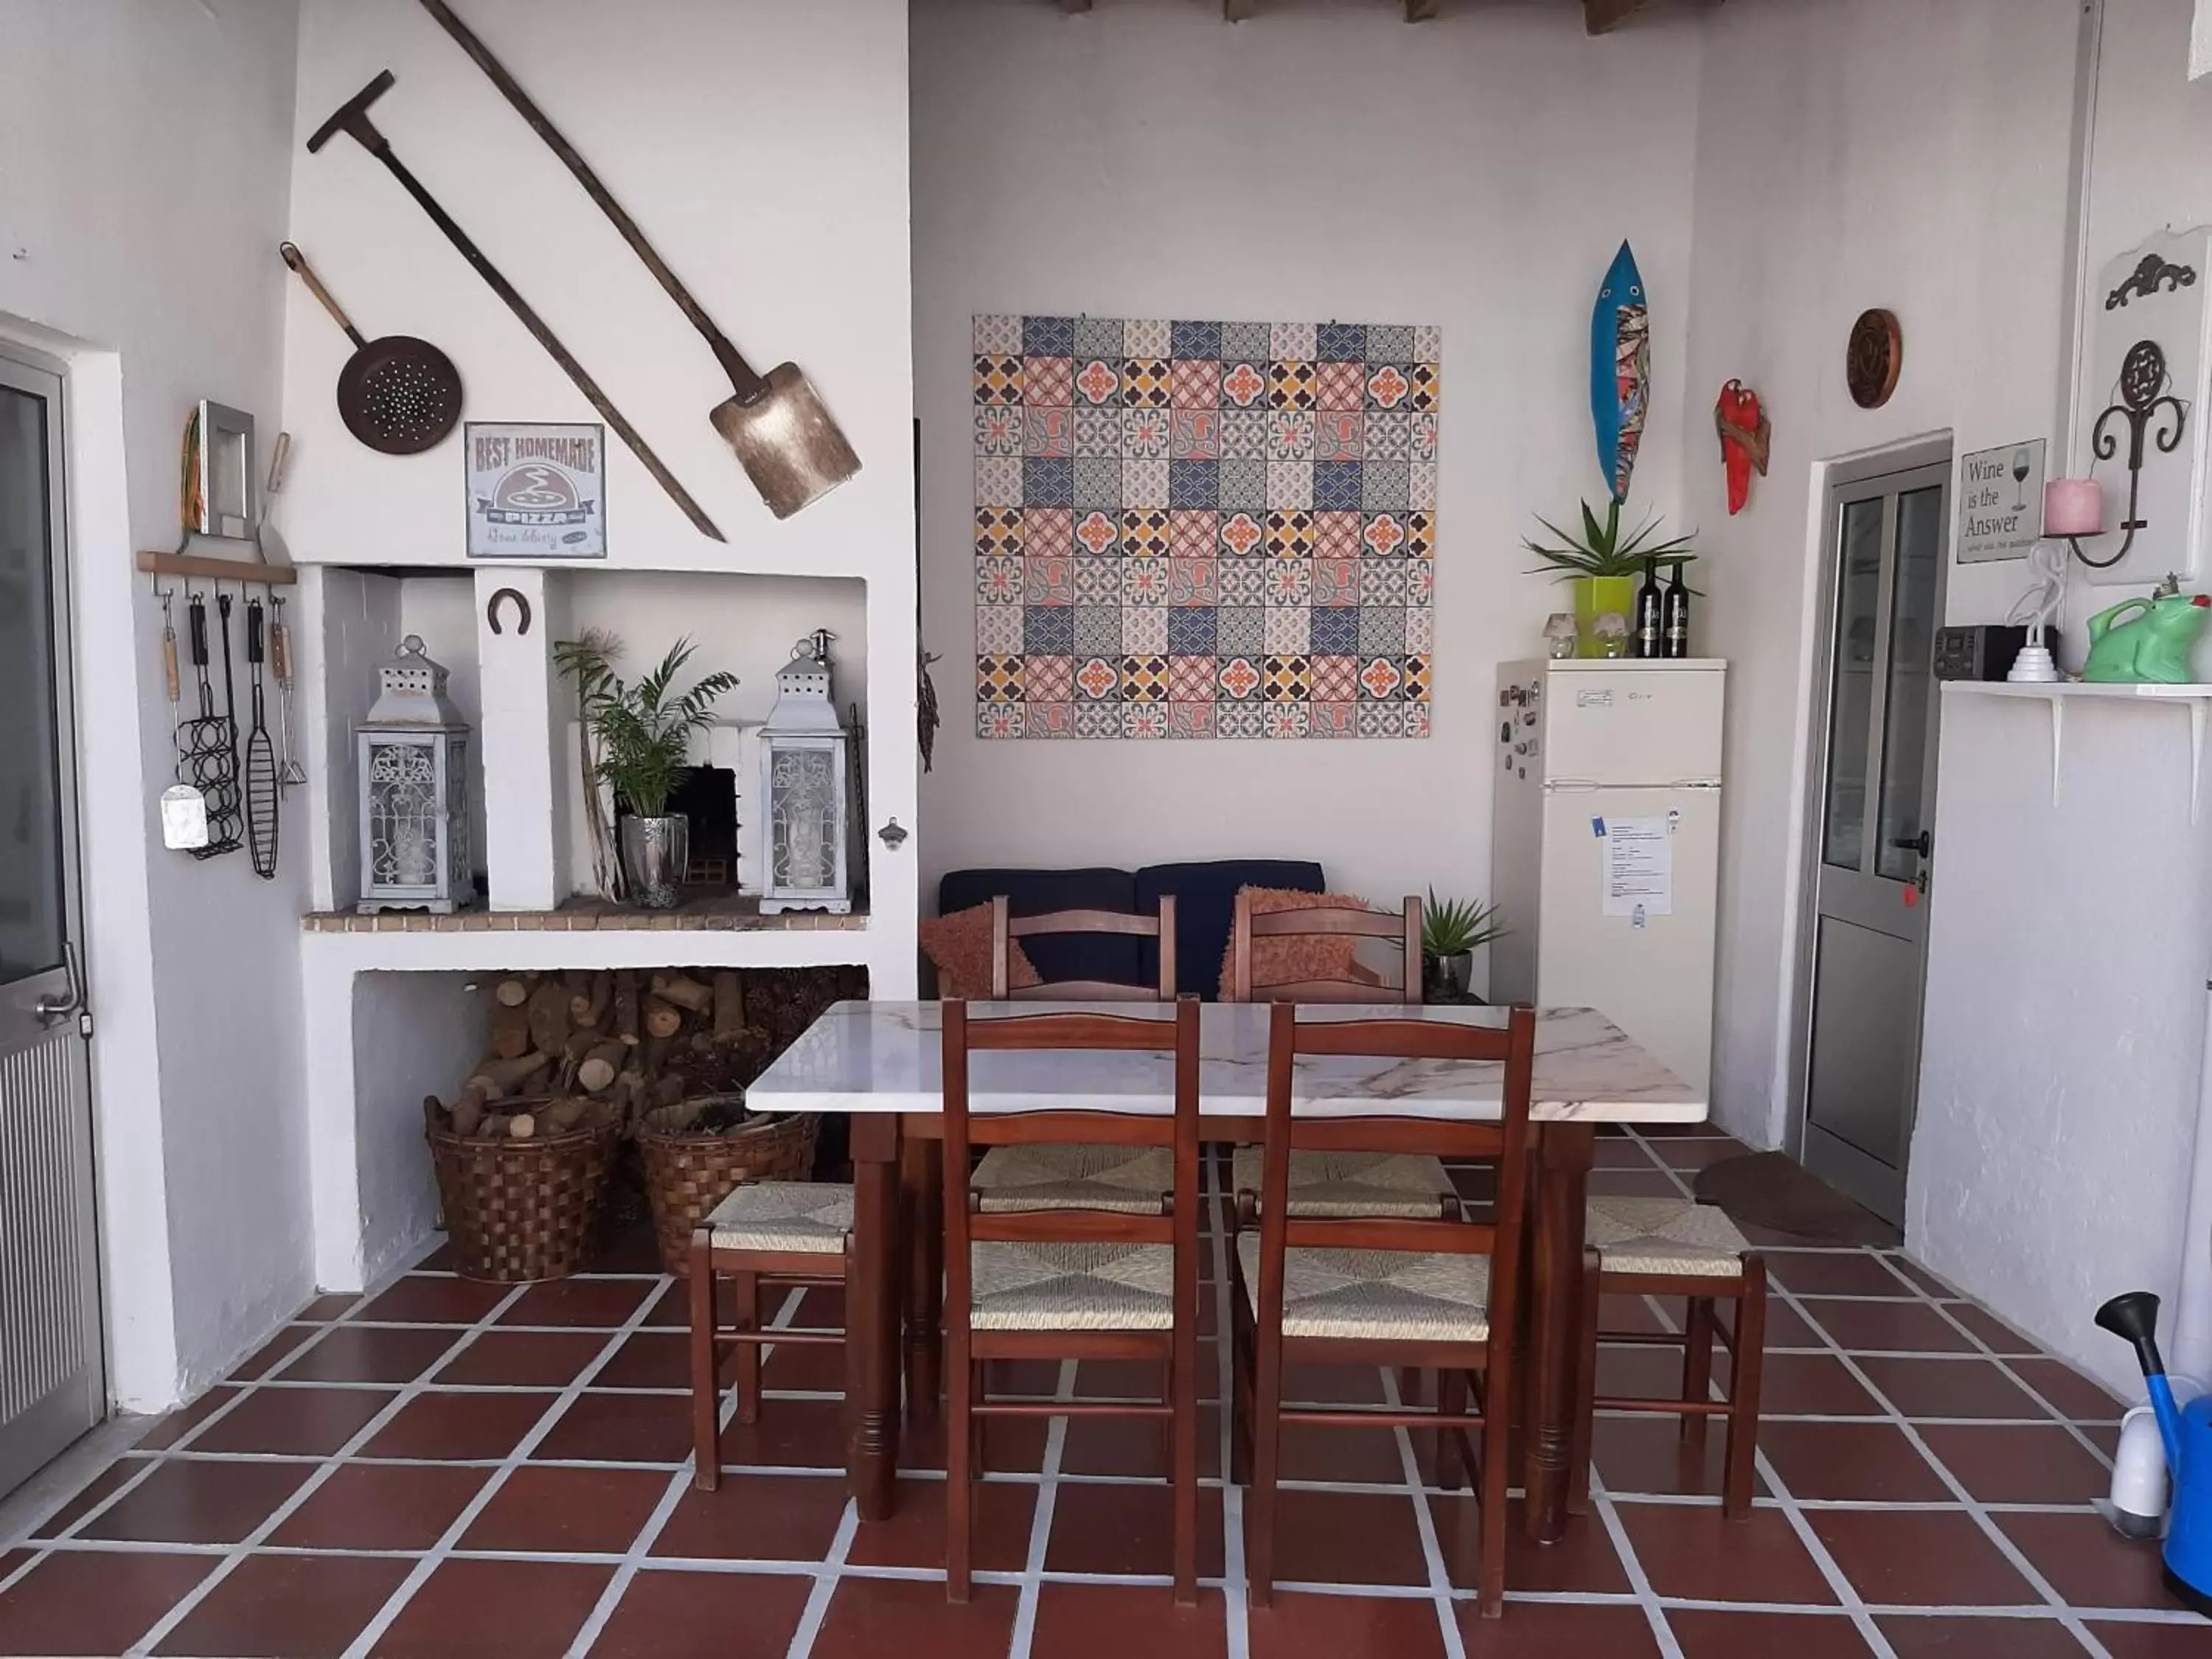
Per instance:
{"type": "Point", "coordinates": [699, 1151]}
{"type": "Point", "coordinates": [662, 1058]}
{"type": "Point", "coordinates": [523, 1188]}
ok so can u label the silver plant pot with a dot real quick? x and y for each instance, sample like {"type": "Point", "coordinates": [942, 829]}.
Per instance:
{"type": "Point", "coordinates": [655, 853]}
{"type": "Point", "coordinates": [1448, 977]}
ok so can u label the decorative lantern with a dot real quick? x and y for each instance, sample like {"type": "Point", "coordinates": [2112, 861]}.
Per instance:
{"type": "Point", "coordinates": [413, 749]}
{"type": "Point", "coordinates": [803, 780]}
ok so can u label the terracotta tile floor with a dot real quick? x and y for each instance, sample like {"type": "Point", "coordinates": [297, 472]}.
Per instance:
{"type": "Point", "coordinates": [446, 1468]}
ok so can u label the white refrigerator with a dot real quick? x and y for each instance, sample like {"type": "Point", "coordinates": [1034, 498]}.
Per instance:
{"type": "Point", "coordinates": [1605, 845]}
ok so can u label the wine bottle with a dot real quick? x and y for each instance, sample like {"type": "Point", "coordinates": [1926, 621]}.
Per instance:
{"type": "Point", "coordinates": [1649, 637]}
{"type": "Point", "coordinates": [1677, 616]}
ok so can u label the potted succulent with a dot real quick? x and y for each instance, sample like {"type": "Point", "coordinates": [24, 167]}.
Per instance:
{"type": "Point", "coordinates": [1452, 929]}
{"type": "Point", "coordinates": [1602, 565]}
{"type": "Point", "coordinates": [638, 742]}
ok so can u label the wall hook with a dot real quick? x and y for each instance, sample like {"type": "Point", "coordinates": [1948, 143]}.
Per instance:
{"type": "Point", "coordinates": [522, 610]}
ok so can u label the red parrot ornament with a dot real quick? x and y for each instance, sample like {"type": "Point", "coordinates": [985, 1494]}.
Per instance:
{"type": "Point", "coordinates": [1744, 430]}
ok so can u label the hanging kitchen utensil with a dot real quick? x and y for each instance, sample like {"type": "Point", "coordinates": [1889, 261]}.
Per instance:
{"type": "Point", "coordinates": [352, 119]}
{"type": "Point", "coordinates": [263, 797]}
{"type": "Point", "coordinates": [289, 771]}
{"type": "Point", "coordinates": [184, 809]}
{"type": "Point", "coordinates": [396, 394]}
{"type": "Point", "coordinates": [790, 447]}
{"type": "Point", "coordinates": [206, 749]}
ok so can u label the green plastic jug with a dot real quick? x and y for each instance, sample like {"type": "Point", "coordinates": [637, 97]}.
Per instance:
{"type": "Point", "coordinates": [2151, 648]}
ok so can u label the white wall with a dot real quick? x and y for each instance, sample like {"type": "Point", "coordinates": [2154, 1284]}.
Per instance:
{"type": "Point", "coordinates": [1851, 153]}
{"type": "Point", "coordinates": [147, 145]}
{"type": "Point", "coordinates": [1323, 159]}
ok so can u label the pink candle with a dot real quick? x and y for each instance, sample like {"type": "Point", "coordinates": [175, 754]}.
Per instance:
{"type": "Point", "coordinates": [2073, 507]}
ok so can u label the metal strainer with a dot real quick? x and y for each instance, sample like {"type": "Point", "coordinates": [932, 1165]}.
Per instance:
{"type": "Point", "coordinates": [397, 394]}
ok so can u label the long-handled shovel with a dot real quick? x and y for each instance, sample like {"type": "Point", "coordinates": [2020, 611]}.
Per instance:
{"type": "Point", "coordinates": [352, 119]}
{"type": "Point", "coordinates": [779, 427]}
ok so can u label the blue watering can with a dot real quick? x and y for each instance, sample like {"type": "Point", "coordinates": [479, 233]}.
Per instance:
{"type": "Point", "coordinates": [2187, 1432]}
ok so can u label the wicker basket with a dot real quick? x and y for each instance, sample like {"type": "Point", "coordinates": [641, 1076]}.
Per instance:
{"type": "Point", "coordinates": [686, 1175]}
{"type": "Point", "coordinates": [522, 1210]}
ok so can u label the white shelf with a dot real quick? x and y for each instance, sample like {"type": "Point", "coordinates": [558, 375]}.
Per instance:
{"type": "Point", "coordinates": [2196, 699]}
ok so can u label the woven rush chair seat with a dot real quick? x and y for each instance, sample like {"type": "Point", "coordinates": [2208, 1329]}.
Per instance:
{"type": "Point", "coordinates": [799, 1215]}
{"type": "Point", "coordinates": [1665, 1236]}
{"type": "Point", "coordinates": [1073, 1287]}
{"type": "Point", "coordinates": [1126, 1179]}
{"type": "Point", "coordinates": [1386, 1296]}
{"type": "Point", "coordinates": [1351, 1184]}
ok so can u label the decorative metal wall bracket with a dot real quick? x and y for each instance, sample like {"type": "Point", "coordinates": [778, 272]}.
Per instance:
{"type": "Point", "coordinates": [2143, 400]}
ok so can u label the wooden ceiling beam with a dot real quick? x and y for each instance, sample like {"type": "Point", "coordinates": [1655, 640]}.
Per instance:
{"type": "Point", "coordinates": [1601, 16]}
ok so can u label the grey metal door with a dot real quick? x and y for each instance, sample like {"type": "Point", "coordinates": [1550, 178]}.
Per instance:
{"type": "Point", "coordinates": [52, 1384]}
{"type": "Point", "coordinates": [1873, 842]}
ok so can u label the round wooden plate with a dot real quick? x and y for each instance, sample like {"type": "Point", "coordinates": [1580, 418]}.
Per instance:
{"type": "Point", "coordinates": [1875, 357]}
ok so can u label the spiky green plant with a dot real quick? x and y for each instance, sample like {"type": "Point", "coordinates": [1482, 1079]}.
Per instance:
{"type": "Point", "coordinates": [1603, 551]}
{"type": "Point", "coordinates": [1450, 927]}
{"type": "Point", "coordinates": [643, 731]}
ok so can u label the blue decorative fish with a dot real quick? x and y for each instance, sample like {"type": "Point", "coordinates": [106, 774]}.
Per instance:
{"type": "Point", "coordinates": [1620, 369]}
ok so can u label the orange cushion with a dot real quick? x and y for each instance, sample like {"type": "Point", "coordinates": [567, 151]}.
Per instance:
{"type": "Point", "coordinates": [1299, 957]}
{"type": "Point", "coordinates": [960, 945]}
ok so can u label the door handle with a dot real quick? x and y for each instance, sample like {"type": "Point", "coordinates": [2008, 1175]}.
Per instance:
{"type": "Point", "coordinates": [1923, 844]}
{"type": "Point", "coordinates": [53, 1009]}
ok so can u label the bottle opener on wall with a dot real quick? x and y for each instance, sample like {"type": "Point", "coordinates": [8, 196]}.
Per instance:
{"type": "Point", "coordinates": [1744, 431]}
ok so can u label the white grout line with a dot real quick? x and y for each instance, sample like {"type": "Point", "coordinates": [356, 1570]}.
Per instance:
{"type": "Point", "coordinates": [1639, 1582]}
{"type": "Point", "coordinates": [1055, 1444]}
{"type": "Point", "coordinates": [1235, 1589]}
{"type": "Point", "coordinates": [1440, 1583]}
{"type": "Point", "coordinates": [324, 1473]}
{"type": "Point", "coordinates": [365, 1642]}
{"type": "Point", "coordinates": [641, 1545]}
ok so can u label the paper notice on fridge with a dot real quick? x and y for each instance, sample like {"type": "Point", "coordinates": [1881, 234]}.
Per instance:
{"type": "Point", "coordinates": [1638, 864]}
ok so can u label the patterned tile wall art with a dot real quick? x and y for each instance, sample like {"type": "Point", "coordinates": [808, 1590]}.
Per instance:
{"type": "Point", "coordinates": [1204, 530]}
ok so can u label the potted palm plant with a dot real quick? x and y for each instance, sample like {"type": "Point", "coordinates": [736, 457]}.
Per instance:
{"type": "Point", "coordinates": [638, 742]}
{"type": "Point", "coordinates": [1451, 931]}
{"type": "Point", "coordinates": [1602, 565]}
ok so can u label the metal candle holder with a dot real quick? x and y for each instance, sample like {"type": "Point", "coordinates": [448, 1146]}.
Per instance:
{"type": "Point", "coordinates": [2143, 399]}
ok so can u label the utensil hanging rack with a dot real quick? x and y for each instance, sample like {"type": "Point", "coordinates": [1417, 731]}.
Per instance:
{"type": "Point", "coordinates": [191, 567]}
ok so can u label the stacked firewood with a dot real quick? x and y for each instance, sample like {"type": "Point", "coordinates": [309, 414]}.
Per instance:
{"type": "Point", "coordinates": [603, 1048]}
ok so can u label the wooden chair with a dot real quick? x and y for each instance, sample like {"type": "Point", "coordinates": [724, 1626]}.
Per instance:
{"type": "Point", "coordinates": [1340, 921]}
{"type": "Point", "coordinates": [1067, 1284]}
{"type": "Point", "coordinates": [767, 1235]}
{"type": "Point", "coordinates": [1342, 1183]}
{"type": "Point", "coordinates": [1673, 1247]}
{"type": "Point", "coordinates": [1385, 1290]}
{"type": "Point", "coordinates": [1006, 928]}
{"type": "Point", "coordinates": [1039, 1176]}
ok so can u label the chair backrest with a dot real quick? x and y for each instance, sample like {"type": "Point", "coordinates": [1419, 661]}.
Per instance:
{"type": "Point", "coordinates": [966, 1223]}
{"type": "Point", "coordinates": [1006, 928]}
{"type": "Point", "coordinates": [1401, 927]}
{"type": "Point", "coordinates": [1512, 1047]}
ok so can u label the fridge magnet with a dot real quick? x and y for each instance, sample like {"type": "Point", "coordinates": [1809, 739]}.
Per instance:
{"type": "Point", "coordinates": [1620, 369]}
{"type": "Point", "coordinates": [2145, 375]}
{"type": "Point", "coordinates": [2001, 502]}
{"type": "Point", "coordinates": [537, 491]}
{"type": "Point", "coordinates": [1744, 431]}
{"type": "Point", "coordinates": [1194, 529]}
{"type": "Point", "coordinates": [1875, 358]}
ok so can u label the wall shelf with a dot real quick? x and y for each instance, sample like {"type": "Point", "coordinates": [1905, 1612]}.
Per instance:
{"type": "Point", "coordinates": [2196, 699]}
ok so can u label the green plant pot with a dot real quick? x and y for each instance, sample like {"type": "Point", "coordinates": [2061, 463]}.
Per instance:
{"type": "Point", "coordinates": [1594, 597]}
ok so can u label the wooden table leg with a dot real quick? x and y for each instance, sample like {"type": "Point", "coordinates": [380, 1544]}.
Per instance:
{"type": "Point", "coordinates": [871, 1313]}
{"type": "Point", "coordinates": [921, 1168]}
{"type": "Point", "coordinates": [1563, 1182]}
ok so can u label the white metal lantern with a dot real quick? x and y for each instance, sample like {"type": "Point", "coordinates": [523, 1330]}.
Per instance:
{"type": "Point", "coordinates": [413, 749]}
{"type": "Point", "coordinates": [803, 780]}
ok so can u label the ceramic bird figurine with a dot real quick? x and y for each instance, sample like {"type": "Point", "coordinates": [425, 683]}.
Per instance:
{"type": "Point", "coordinates": [1744, 430]}
{"type": "Point", "coordinates": [1620, 369]}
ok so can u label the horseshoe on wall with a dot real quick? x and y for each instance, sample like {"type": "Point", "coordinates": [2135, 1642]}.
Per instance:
{"type": "Point", "coordinates": [521, 605]}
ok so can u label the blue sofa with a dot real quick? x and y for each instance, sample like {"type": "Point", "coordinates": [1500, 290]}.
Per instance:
{"type": "Point", "coordinates": [1205, 900]}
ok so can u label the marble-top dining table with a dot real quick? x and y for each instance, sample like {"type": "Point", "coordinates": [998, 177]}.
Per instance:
{"type": "Point", "coordinates": [880, 1064]}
